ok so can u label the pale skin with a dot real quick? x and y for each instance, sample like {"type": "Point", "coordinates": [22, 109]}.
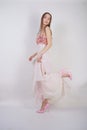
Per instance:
{"type": "Point", "coordinates": [46, 48]}
{"type": "Point", "coordinates": [46, 31]}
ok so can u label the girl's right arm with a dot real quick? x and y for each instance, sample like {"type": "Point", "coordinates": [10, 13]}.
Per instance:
{"type": "Point", "coordinates": [32, 56]}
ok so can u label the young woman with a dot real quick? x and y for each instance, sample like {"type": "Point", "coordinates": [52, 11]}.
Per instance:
{"type": "Point", "coordinates": [47, 86]}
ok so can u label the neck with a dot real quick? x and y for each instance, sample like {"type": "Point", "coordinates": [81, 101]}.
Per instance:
{"type": "Point", "coordinates": [43, 28]}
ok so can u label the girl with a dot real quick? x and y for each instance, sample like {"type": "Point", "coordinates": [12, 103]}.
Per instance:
{"type": "Point", "coordinates": [47, 86]}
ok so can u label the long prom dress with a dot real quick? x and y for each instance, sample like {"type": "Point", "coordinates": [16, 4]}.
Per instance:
{"type": "Point", "coordinates": [46, 84]}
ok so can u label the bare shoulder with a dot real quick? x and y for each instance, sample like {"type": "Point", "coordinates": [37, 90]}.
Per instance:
{"type": "Point", "coordinates": [48, 30]}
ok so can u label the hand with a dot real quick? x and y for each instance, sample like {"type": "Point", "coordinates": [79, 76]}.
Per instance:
{"type": "Point", "coordinates": [30, 58]}
{"type": "Point", "coordinates": [39, 59]}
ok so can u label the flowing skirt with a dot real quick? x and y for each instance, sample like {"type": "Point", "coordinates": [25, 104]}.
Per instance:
{"type": "Point", "coordinates": [52, 86]}
{"type": "Point", "coordinates": [46, 84]}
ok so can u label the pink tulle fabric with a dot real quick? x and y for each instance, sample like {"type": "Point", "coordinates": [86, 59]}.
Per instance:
{"type": "Point", "coordinates": [46, 84]}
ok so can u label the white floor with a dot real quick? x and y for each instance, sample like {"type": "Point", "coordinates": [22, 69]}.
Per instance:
{"type": "Point", "coordinates": [14, 117]}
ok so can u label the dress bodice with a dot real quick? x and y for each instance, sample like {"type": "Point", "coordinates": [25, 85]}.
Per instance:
{"type": "Point", "coordinates": [41, 39]}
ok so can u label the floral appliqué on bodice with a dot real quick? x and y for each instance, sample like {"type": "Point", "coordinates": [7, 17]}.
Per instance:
{"type": "Point", "coordinates": [41, 39]}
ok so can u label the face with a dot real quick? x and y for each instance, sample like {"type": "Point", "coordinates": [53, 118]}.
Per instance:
{"type": "Point", "coordinates": [46, 19]}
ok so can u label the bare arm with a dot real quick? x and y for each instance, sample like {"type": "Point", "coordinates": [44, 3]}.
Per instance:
{"type": "Point", "coordinates": [49, 40]}
{"type": "Point", "coordinates": [32, 56]}
{"type": "Point", "coordinates": [46, 48]}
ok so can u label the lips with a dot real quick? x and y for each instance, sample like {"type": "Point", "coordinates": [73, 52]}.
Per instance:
{"type": "Point", "coordinates": [46, 22]}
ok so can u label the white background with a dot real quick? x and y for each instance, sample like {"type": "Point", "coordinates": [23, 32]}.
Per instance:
{"type": "Point", "coordinates": [19, 24]}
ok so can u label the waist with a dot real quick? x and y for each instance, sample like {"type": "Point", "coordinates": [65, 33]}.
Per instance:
{"type": "Point", "coordinates": [41, 43]}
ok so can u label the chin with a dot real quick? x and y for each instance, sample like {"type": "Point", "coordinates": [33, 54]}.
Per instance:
{"type": "Point", "coordinates": [46, 24]}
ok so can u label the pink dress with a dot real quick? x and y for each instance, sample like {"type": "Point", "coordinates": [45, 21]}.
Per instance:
{"type": "Point", "coordinates": [46, 84]}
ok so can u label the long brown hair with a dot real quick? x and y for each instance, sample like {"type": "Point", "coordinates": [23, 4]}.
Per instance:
{"type": "Point", "coordinates": [42, 20]}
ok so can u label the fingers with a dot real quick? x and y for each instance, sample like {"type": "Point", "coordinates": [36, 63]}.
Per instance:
{"type": "Point", "coordinates": [30, 58]}
{"type": "Point", "coordinates": [39, 59]}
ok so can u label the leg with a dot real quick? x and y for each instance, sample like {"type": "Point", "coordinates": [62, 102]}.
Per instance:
{"type": "Point", "coordinates": [45, 101]}
{"type": "Point", "coordinates": [44, 106]}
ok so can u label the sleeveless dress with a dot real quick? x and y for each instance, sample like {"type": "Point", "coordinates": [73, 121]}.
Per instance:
{"type": "Point", "coordinates": [46, 84]}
